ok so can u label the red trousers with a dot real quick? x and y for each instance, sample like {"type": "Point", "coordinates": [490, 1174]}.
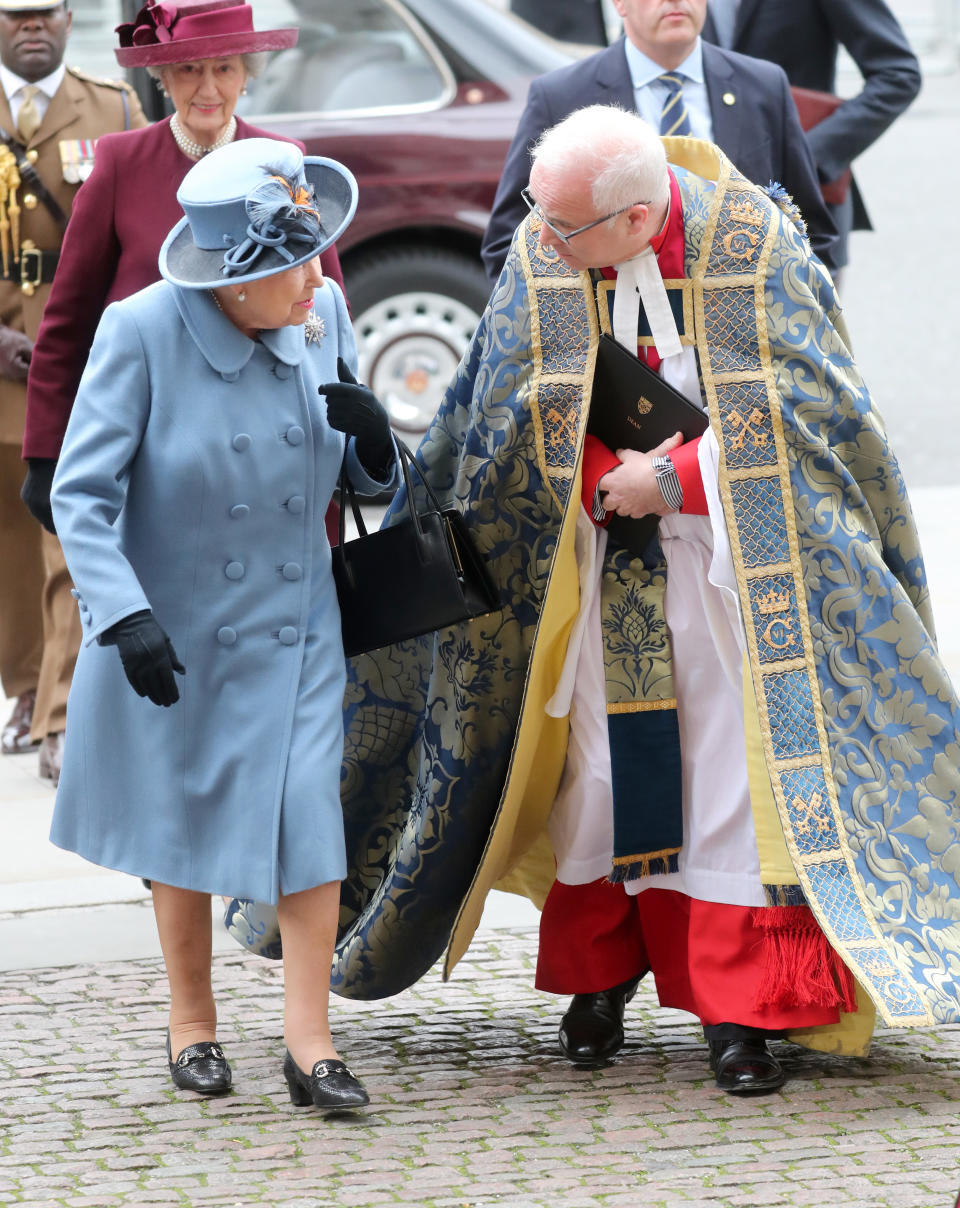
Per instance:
{"type": "Point", "coordinates": [707, 958]}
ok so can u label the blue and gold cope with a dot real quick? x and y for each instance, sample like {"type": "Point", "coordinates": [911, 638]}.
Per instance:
{"type": "Point", "coordinates": [451, 764]}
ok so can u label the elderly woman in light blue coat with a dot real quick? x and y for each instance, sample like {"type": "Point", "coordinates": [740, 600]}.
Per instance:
{"type": "Point", "coordinates": [202, 452]}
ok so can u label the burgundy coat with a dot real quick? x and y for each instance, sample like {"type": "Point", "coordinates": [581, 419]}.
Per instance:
{"type": "Point", "coordinates": [121, 216]}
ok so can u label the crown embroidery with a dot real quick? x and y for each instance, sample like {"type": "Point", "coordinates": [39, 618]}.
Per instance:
{"type": "Point", "coordinates": [774, 601]}
{"type": "Point", "coordinates": [746, 212]}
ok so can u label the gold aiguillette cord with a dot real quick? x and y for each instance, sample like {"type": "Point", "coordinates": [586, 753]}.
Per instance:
{"type": "Point", "coordinates": [6, 162]}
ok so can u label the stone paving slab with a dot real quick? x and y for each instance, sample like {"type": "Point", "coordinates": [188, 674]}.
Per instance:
{"type": "Point", "coordinates": [472, 1106]}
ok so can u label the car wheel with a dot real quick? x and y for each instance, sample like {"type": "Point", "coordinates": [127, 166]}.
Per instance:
{"type": "Point", "coordinates": [415, 311]}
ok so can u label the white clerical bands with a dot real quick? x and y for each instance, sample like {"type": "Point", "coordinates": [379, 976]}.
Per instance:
{"type": "Point", "coordinates": [639, 281]}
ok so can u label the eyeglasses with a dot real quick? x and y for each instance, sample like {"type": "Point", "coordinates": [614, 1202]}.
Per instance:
{"type": "Point", "coordinates": [566, 236]}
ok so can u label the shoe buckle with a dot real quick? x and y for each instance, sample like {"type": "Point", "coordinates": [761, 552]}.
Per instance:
{"type": "Point", "coordinates": [190, 1054]}
{"type": "Point", "coordinates": [323, 1069]}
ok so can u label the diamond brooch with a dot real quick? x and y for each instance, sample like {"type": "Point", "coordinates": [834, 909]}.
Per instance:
{"type": "Point", "coordinates": [314, 329]}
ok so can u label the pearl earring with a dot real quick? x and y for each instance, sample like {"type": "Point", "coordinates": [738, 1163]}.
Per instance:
{"type": "Point", "coordinates": [241, 296]}
{"type": "Point", "coordinates": [243, 92]}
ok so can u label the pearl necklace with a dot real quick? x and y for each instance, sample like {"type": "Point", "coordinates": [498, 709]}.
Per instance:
{"type": "Point", "coordinates": [198, 150]}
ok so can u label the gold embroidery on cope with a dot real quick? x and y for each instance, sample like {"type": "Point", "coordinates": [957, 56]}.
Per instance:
{"type": "Point", "coordinates": [757, 499]}
{"type": "Point", "coordinates": [748, 426]}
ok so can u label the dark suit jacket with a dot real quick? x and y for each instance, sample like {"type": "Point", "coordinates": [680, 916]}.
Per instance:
{"type": "Point", "coordinates": [804, 38]}
{"type": "Point", "coordinates": [760, 132]}
{"type": "Point", "coordinates": [121, 216]}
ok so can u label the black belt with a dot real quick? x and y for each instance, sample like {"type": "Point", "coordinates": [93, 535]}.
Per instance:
{"type": "Point", "coordinates": [35, 267]}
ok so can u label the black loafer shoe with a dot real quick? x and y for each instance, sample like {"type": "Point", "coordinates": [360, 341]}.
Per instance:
{"type": "Point", "coordinates": [330, 1084]}
{"type": "Point", "coordinates": [592, 1030]}
{"type": "Point", "coordinates": [746, 1067]}
{"type": "Point", "coordinates": [200, 1067]}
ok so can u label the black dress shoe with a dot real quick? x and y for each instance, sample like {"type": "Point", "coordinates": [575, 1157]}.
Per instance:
{"type": "Point", "coordinates": [741, 1061]}
{"type": "Point", "coordinates": [200, 1067]}
{"type": "Point", "coordinates": [592, 1029]}
{"type": "Point", "coordinates": [329, 1084]}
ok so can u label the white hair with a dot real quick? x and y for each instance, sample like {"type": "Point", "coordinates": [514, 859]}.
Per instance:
{"type": "Point", "coordinates": [253, 65]}
{"type": "Point", "coordinates": [617, 153]}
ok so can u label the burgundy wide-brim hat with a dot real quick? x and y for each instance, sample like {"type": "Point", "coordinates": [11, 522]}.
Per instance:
{"type": "Point", "coordinates": [180, 31]}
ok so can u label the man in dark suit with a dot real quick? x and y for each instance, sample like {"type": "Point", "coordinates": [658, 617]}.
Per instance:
{"type": "Point", "coordinates": [804, 37]}
{"type": "Point", "coordinates": [741, 104]}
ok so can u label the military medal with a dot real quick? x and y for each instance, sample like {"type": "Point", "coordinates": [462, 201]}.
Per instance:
{"type": "Point", "coordinates": [76, 159]}
{"type": "Point", "coordinates": [314, 329]}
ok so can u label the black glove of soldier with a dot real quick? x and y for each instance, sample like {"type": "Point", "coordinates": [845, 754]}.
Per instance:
{"type": "Point", "coordinates": [35, 491]}
{"type": "Point", "coordinates": [148, 657]}
{"type": "Point", "coordinates": [15, 352]}
{"type": "Point", "coordinates": [357, 411]}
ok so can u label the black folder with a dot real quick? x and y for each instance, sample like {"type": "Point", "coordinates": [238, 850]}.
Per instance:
{"type": "Point", "coordinates": [632, 407]}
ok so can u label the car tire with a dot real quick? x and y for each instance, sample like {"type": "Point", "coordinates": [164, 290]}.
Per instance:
{"type": "Point", "coordinates": [414, 313]}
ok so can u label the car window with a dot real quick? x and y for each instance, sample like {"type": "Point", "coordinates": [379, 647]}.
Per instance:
{"type": "Point", "coordinates": [351, 55]}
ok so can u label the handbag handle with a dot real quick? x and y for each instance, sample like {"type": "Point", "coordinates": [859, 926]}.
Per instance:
{"type": "Point", "coordinates": [405, 459]}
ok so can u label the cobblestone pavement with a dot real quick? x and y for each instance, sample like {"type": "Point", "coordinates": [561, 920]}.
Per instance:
{"type": "Point", "coordinates": [472, 1107]}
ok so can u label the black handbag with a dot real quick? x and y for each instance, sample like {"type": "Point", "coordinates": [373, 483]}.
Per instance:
{"type": "Point", "coordinates": [420, 574]}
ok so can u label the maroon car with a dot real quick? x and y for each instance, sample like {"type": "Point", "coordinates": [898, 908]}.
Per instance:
{"type": "Point", "coordinates": [420, 98]}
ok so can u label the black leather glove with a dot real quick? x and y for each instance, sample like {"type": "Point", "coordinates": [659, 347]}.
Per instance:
{"type": "Point", "coordinates": [15, 352]}
{"type": "Point", "coordinates": [356, 410]}
{"type": "Point", "coordinates": [35, 491]}
{"type": "Point", "coordinates": [148, 657]}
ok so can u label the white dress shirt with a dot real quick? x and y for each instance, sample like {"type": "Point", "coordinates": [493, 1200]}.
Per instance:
{"type": "Point", "coordinates": [650, 94]}
{"type": "Point", "coordinates": [13, 87]}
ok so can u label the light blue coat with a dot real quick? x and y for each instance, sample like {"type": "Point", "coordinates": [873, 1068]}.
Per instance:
{"type": "Point", "coordinates": [194, 478]}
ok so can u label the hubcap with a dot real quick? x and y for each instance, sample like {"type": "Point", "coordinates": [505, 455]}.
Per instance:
{"type": "Point", "coordinates": [409, 347]}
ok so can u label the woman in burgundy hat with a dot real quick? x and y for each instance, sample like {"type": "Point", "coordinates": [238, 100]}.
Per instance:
{"type": "Point", "coordinates": [201, 52]}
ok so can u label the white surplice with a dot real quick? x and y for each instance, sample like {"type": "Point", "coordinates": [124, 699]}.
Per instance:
{"type": "Point", "coordinates": [719, 861]}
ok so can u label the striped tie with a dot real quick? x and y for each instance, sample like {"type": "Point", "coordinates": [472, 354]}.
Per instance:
{"type": "Point", "coordinates": [674, 118]}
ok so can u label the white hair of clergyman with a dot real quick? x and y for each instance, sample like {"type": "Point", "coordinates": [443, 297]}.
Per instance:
{"type": "Point", "coordinates": [617, 153]}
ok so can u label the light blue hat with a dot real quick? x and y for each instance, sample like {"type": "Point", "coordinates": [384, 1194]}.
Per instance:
{"type": "Point", "coordinates": [253, 208]}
